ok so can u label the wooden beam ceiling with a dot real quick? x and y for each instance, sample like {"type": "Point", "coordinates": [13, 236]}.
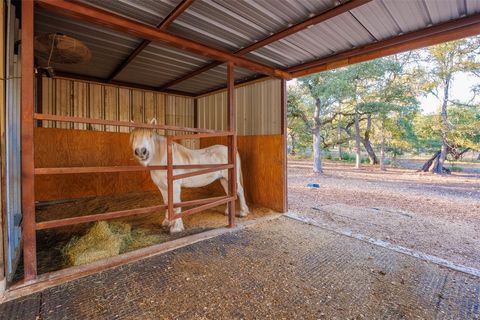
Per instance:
{"type": "Point", "coordinates": [321, 17]}
{"type": "Point", "coordinates": [177, 11]}
{"type": "Point", "coordinates": [107, 19]}
{"type": "Point", "coordinates": [448, 31]}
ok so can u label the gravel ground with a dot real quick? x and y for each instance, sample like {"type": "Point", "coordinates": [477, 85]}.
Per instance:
{"type": "Point", "coordinates": [437, 215]}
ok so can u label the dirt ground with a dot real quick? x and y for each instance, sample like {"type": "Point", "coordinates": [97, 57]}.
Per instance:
{"type": "Point", "coordinates": [436, 215]}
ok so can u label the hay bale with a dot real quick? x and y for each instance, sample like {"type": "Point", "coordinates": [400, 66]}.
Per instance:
{"type": "Point", "coordinates": [107, 239]}
{"type": "Point", "coordinates": [103, 240]}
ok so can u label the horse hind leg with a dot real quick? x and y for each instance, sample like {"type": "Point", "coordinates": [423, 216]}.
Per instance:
{"type": "Point", "coordinates": [224, 183]}
{"type": "Point", "coordinates": [241, 197]}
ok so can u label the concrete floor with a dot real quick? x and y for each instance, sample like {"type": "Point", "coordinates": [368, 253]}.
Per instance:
{"type": "Point", "coordinates": [281, 269]}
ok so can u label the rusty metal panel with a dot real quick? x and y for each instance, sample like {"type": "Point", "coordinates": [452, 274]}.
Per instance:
{"type": "Point", "coordinates": [258, 109]}
{"type": "Point", "coordinates": [13, 200]}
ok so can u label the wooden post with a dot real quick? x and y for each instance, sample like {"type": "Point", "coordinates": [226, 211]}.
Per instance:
{"type": "Point", "coordinates": [232, 143]}
{"type": "Point", "coordinates": [170, 213]}
{"type": "Point", "coordinates": [28, 102]}
{"type": "Point", "coordinates": [283, 106]}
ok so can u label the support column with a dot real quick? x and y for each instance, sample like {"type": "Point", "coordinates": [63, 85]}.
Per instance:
{"type": "Point", "coordinates": [28, 102]}
{"type": "Point", "coordinates": [283, 106]}
{"type": "Point", "coordinates": [232, 143]}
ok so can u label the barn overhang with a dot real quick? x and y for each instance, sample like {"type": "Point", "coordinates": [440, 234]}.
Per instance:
{"type": "Point", "coordinates": [183, 46]}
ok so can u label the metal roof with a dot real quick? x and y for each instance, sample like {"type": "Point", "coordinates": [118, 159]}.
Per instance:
{"type": "Point", "coordinates": [233, 25]}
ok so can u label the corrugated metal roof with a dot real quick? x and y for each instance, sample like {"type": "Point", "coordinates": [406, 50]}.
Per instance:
{"type": "Point", "coordinates": [233, 25]}
{"type": "Point", "coordinates": [212, 79]}
{"type": "Point", "coordinates": [109, 48]}
{"type": "Point", "coordinates": [158, 64]}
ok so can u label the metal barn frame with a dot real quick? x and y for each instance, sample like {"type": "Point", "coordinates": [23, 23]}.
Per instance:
{"type": "Point", "coordinates": [430, 35]}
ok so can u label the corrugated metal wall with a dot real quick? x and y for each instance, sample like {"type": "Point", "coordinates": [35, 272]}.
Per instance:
{"type": "Point", "coordinates": [258, 109]}
{"type": "Point", "coordinates": [70, 97]}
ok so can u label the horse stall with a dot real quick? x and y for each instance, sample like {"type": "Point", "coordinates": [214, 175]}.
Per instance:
{"type": "Point", "coordinates": [84, 195]}
{"type": "Point", "coordinates": [92, 147]}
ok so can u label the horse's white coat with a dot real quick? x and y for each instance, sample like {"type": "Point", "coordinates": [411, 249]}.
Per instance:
{"type": "Point", "coordinates": [150, 148]}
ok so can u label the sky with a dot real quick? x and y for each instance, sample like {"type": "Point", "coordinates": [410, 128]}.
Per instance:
{"type": "Point", "coordinates": [460, 91]}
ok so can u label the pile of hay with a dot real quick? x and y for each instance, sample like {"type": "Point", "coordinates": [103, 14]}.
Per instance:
{"type": "Point", "coordinates": [106, 239]}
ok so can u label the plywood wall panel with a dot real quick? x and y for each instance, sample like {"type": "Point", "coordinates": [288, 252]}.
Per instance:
{"type": "Point", "coordinates": [262, 160]}
{"type": "Point", "coordinates": [262, 165]}
{"type": "Point", "coordinates": [68, 148]}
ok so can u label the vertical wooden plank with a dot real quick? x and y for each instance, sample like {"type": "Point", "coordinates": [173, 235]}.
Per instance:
{"type": "Point", "coordinates": [111, 106]}
{"type": "Point", "coordinates": [232, 145]}
{"type": "Point", "coordinates": [47, 100]}
{"type": "Point", "coordinates": [96, 105]}
{"type": "Point", "coordinates": [150, 111]}
{"type": "Point", "coordinates": [283, 129]}
{"type": "Point", "coordinates": [27, 103]}
{"type": "Point", "coordinates": [170, 112]}
{"type": "Point", "coordinates": [160, 106]}
{"type": "Point", "coordinates": [63, 101]}
{"type": "Point", "coordinates": [80, 101]}
{"type": "Point", "coordinates": [138, 107]}
{"type": "Point", "coordinates": [124, 106]}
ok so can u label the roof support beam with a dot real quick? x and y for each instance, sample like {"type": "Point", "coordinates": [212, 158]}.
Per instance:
{"type": "Point", "coordinates": [101, 17]}
{"type": "Point", "coordinates": [321, 17]}
{"type": "Point", "coordinates": [179, 9]}
{"type": "Point", "coordinates": [448, 31]}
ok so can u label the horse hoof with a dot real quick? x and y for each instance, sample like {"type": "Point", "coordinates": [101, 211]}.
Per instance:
{"type": "Point", "coordinates": [165, 223]}
{"type": "Point", "coordinates": [174, 230]}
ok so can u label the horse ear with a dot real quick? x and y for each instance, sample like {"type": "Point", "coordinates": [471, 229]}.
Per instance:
{"type": "Point", "coordinates": [153, 121]}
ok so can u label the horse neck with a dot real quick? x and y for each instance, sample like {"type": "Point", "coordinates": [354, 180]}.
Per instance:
{"type": "Point", "coordinates": [160, 143]}
{"type": "Point", "coordinates": [177, 149]}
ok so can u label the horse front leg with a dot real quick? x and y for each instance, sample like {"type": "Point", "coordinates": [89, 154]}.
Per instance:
{"type": "Point", "coordinates": [164, 192]}
{"type": "Point", "coordinates": [177, 225]}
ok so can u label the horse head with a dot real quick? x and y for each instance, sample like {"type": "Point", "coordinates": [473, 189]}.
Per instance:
{"type": "Point", "coordinates": [145, 144]}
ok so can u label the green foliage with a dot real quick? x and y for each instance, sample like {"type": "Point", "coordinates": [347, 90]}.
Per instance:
{"type": "Point", "coordinates": [386, 91]}
{"type": "Point", "coordinates": [455, 168]}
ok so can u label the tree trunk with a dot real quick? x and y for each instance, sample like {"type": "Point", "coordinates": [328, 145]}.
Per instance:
{"type": "Point", "coordinates": [440, 161]}
{"type": "Point", "coordinates": [367, 144]}
{"type": "Point", "coordinates": [382, 147]}
{"type": "Point", "coordinates": [292, 150]}
{"type": "Point", "coordinates": [478, 157]}
{"type": "Point", "coordinates": [339, 138]}
{"type": "Point", "coordinates": [432, 164]}
{"type": "Point", "coordinates": [317, 152]}
{"type": "Point", "coordinates": [357, 140]}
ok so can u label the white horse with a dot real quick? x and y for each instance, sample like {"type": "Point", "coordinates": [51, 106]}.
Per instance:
{"type": "Point", "coordinates": [150, 148]}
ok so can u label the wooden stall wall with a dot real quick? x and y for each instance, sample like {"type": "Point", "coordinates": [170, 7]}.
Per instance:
{"type": "Point", "coordinates": [260, 139]}
{"type": "Point", "coordinates": [58, 145]}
